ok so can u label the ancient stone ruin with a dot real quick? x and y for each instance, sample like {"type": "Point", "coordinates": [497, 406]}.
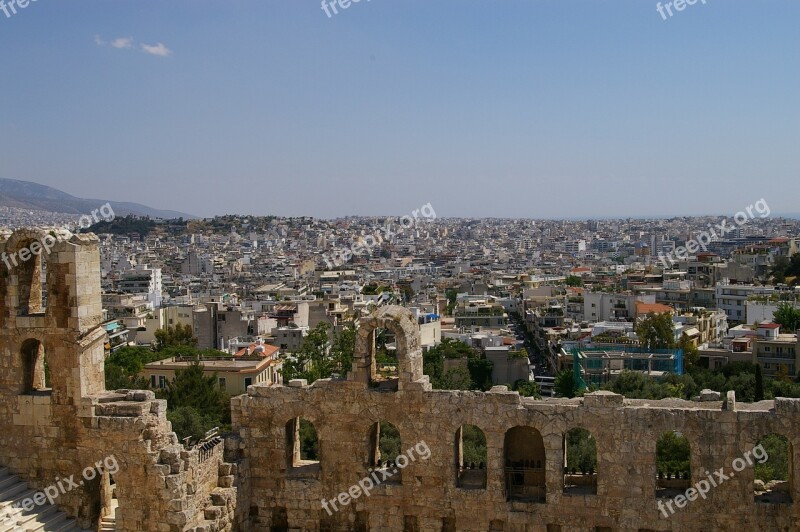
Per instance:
{"type": "Point", "coordinates": [59, 420]}
{"type": "Point", "coordinates": [71, 427]}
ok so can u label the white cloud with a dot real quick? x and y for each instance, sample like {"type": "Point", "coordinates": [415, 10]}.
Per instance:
{"type": "Point", "coordinates": [128, 42]}
{"type": "Point", "coordinates": [122, 42]}
{"type": "Point", "coordinates": [156, 49]}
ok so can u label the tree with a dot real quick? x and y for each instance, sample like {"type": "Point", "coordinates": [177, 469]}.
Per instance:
{"type": "Point", "coordinates": [451, 294]}
{"type": "Point", "coordinates": [776, 467]}
{"type": "Point", "coordinates": [123, 366]}
{"type": "Point", "coordinates": [381, 341]}
{"type": "Point", "coordinates": [691, 355]}
{"type": "Point", "coordinates": [189, 422]}
{"type": "Point", "coordinates": [192, 388]}
{"type": "Point", "coordinates": [319, 358]}
{"type": "Point", "coordinates": [342, 349]}
{"type": "Point", "coordinates": [581, 450]}
{"type": "Point", "coordinates": [473, 445]}
{"type": "Point", "coordinates": [451, 348]}
{"type": "Point", "coordinates": [573, 280]}
{"type": "Point", "coordinates": [476, 376]}
{"type": "Point", "coordinates": [779, 268]}
{"type": "Point", "coordinates": [433, 366]}
{"type": "Point", "coordinates": [118, 379]}
{"type": "Point", "coordinates": [637, 385]}
{"type": "Point", "coordinates": [634, 385]}
{"type": "Point", "coordinates": [782, 389]}
{"type": "Point", "coordinates": [374, 289]}
{"type": "Point", "coordinates": [480, 371]}
{"type": "Point", "coordinates": [788, 317]}
{"type": "Point", "coordinates": [744, 385]}
{"type": "Point", "coordinates": [759, 394]}
{"type": "Point", "coordinates": [313, 360]}
{"type": "Point", "coordinates": [738, 368]}
{"type": "Point", "coordinates": [389, 443]}
{"type": "Point", "coordinates": [673, 453]}
{"type": "Point", "coordinates": [564, 384]}
{"type": "Point", "coordinates": [407, 292]}
{"type": "Point", "coordinates": [457, 378]}
{"type": "Point", "coordinates": [655, 331]}
{"type": "Point", "coordinates": [528, 389]}
{"type": "Point", "coordinates": [309, 442]}
{"type": "Point", "coordinates": [793, 270]}
{"type": "Point", "coordinates": [177, 336]}
{"type": "Point", "coordinates": [782, 374]}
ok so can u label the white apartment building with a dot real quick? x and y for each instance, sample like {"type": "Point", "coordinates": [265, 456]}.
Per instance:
{"type": "Point", "coordinates": [161, 318]}
{"type": "Point", "coordinates": [732, 298]}
{"type": "Point", "coordinates": [603, 306]}
{"type": "Point", "coordinates": [758, 311]}
{"type": "Point", "coordinates": [142, 280]}
{"type": "Point", "coordinates": [574, 246]}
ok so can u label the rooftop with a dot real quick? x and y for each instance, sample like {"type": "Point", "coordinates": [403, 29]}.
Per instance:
{"type": "Point", "coordinates": [221, 364]}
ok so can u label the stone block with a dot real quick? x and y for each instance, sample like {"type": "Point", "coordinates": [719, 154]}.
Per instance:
{"type": "Point", "coordinates": [603, 399]}
{"type": "Point", "coordinates": [140, 395]}
{"type": "Point", "coordinates": [730, 401]}
{"type": "Point", "coordinates": [707, 395]}
{"type": "Point", "coordinates": [785, 405]}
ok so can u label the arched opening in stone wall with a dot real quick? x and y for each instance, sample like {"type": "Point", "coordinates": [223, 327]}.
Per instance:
{"type": "Point", "coordinates": [35, 375]}
{"type": "Point", "coordinates": [772, 460]}
{"type": "Point", "coordinates": [580, 462]}
{"type": "Point", "coordinates": [101, 489]}
{"type": "Point", "coordinates": [31, 278]}
{"type": "Point", "coordinates": [386, 374]}
{"type": "Point", "coordinates": [525, 465]}
{"type": "Point", "coordinates": [400, 323]}
{"type": "Point", "coordinates": [471, 457]}
{"type": "Point", "coordinates": [302, 447]}
{"type": "Point", "coordinates": [673, 465]}
{"type": "Point", "coordinates": [385, 447]}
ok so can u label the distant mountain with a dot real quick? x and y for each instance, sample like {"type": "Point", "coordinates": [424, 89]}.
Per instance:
{"type": "Point", "coordinates": [28, 195]}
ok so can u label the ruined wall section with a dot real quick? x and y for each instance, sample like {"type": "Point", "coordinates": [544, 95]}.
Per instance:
{"type": "Point", "coordinates": [428, 498]}
{"type": "Point", "coordinates": [51, 347]}
{"type": "Point", "coordinates": [626, 435]}
{"type": "Point", "coordinates": [160, 486]}
{"type": "Point", "coordinates": [58, 420]}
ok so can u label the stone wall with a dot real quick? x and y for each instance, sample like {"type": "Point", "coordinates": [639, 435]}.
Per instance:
{"type": "Point", "coordinates": [70, 427]}
{"type": "Point", "coordinates": [626, 431]}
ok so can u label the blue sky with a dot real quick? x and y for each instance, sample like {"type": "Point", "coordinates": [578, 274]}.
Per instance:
{"type": "Point", "coordinates": [537, 108]}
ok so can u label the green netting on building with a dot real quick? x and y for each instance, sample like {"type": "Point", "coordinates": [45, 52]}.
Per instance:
{"type": "Point", "coordinates": [672, 363]}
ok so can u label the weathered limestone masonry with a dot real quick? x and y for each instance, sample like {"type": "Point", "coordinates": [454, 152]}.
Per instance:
{"type": "Point", "coordinates": [69, 426]}
{"type": "Point", "coordinates": [282, 495]}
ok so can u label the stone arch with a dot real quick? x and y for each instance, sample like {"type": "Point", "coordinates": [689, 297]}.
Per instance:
{"type": "Point", "coordinates": [409, 350]}
{"type": "Point", "coordinates": [302, 459]}
{"type": "Point", "coordinates": [580, 462]}
{"type": "Point", "coordinates": [39, 280]}
{"type": "Point", "coordinates": [25, 259]}
{"type": "Point", "coordinates": [525, 465]}
{"type": "Point", "coordinates": [34, 379]}
{"type": "Point", "coordinates": [673, 464]}
{"type": "Point", "coordinates": [385, 445]}
{"type": "Point", "coordinates": [471, 457]}
{"type": "Point", "coordinates": [100, 482]}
